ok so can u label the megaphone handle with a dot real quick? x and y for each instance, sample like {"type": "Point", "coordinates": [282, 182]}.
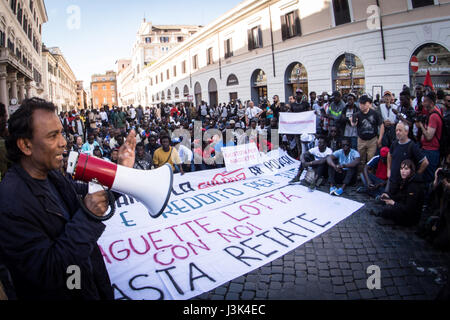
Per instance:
{"type": "Point", "coordinates": [112, 204]}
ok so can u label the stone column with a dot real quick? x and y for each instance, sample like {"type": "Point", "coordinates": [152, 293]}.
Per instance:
{"type": "Point", "coordinates": [13, 80]}
{"type": "Point", "coordinates": [21, 85]}
{"type": "Point", "coordinates": [3, 87]}
{"type": "Point", "coordinates": [28, 89]}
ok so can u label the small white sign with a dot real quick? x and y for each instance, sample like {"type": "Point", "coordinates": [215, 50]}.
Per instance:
{"type": "Point", "coordinates": [241, 156]}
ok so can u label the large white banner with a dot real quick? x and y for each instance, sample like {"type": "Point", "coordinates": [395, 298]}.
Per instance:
{"type": "Point", "coordinates": [297, 123]}
{"type": "Point", "coordinates": [217, 226]}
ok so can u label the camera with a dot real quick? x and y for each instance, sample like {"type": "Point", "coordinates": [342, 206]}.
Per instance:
{"type": "Point", "coordinates": [420, 118]}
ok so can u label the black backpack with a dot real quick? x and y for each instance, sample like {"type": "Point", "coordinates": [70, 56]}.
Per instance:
{"type": "Point", "coordinates": [444, 142]}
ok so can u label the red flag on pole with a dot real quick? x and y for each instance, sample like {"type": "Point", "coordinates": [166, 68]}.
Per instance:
{"type": "Point", "coordinates": [428, 81]}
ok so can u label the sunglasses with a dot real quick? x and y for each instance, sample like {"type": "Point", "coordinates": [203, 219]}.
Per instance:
{"type": "Point", "coordinates": [346, 145]}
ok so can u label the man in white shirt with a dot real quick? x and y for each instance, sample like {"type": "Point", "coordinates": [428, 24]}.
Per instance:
{"type": "Point", "coordinates": [132, 113]}
{"type": "Point", "coordinates": [251, 112]}
{"type": "Point", "coordinates": [104, 117]}
{"type": "Point", "coordinates": [185, 154]}
{"type": "Point", "coordinates": [389, 119]}
{"type": "Point", "coordinates": [315, 158]}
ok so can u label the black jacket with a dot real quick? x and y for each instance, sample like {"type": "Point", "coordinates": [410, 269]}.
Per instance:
{"type": "Point", "coordinates": [409, 198]}
{"type": "Point", "coordinates": [38, 244]}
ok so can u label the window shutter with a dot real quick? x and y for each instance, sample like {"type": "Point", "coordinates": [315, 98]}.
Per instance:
{"type": "Point", "coordinates": [260, 37]}
{"type": "Point", "coordinates": [283, 28]}
{"type": "Point", "coordinates": [250, 39]}
{"type": "Point", "coordinates": [298, 27]}
{"type": "Point", "coordinates": [225, 48]}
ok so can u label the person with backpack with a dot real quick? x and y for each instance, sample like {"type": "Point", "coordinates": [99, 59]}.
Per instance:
{"type": "Point", "coordinates": [432, 135]}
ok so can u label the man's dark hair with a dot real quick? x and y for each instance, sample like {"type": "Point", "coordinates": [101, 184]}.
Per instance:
{"type": "Point", "coordinates": [364, 99]}
{"type": "Point", "coordinates": [440, 94]}
{"type": "Point", "coordinates": [20, 125]}
{"type": "Point", "coordinates": [346, 140]}
{"type": "Point", "coordinates": [432, 96]}
{"type": "Point", "coordinates": [406, 93]}
{"type": "Point", "coordinates": [140, 145]}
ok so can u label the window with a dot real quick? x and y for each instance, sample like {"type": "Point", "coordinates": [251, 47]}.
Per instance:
{"type": "Point", "coordinates": [341, 11]}
{"type": "Point", "coordinates": [180, 39]}
{"type": "Point", "coordinates": [290, 25]}
{"type": "Point", "coordinates": [174, 71]}
{"type": "Point", "coordinates": [113, 87]}
{"type": "Point", "coordinates": [156, 79]}
{"type": "Point", "coordinates": [19, 13]}
{"type": "Point", "coordinates": [228, 45]}
{"type": "Point", "coordinates": [421, 3]}
{"type": "Point", "coordinates": [148, 40]}
{"type": "Point", "coordinates": [195, 61]}
{"type": "Point", "coordinates": [209, 56]}
{"type": "Point", "coordinates": [151, 81]}
{"type": "Point", "coordinates": [113, 99]}
{"type": "Point", "coordinates": [14, 6]}
{"type": "Point", "coordinates": [164, 39]}
{"type": "Point", "coordinates": [167, 74]}
{"type": "Point", "coordinates": [162, 77]}
{"type": "Point", "coordinates": [183, 67]}
{"type": "Point", "coordinates": [96, 101]}
{"type": "Point", "coordinates": [105, 100]}
{"type": "Point", "coordinates": [255, 38]}
{"type": "Point", "coordinates": [2, 38]}
{"type": "Point", "coordinates": [104, 88]}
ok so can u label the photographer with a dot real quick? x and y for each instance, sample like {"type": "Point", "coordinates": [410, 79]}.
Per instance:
{"type": "Point", "coordinates": [404, 206]}
{"type": "Point", "coordinates": [431, 134]}
{"type": "Point", "coordinates": [439, 223]}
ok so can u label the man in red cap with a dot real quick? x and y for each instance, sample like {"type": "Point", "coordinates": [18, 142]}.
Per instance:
{"type": "Point", "coordinates": [374, 175]}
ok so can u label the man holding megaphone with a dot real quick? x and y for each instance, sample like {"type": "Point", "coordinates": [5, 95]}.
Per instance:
{"type": "Point", "coordinates": [48, 229]}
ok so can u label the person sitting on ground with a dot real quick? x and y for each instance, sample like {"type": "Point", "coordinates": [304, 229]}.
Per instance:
{"type": "Point", "coordinates": [89, 146]}
{"type": "Point", "coordinates": [167, 154]}
{"type": "Point", "coordinates": [405, 206]}
{"type": "Point", "coordinates": [143, 160]}
{"type": "Point", "coordinates": [315, 158]}
{"type": "Point", "coordinates": [374, 177]}
{"type": "Point", "coordinates": [342, 167]}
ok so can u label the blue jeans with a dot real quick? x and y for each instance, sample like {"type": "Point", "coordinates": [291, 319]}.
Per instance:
{"type": "Point", "coordinates": [375, 180]}
{"type": "Point", "coordinates": [433, 159]}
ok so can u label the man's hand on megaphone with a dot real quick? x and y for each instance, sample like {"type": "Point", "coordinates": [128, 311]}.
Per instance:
{"type": "Point", "coordinates": [97, 203]}
{"type": "Point", "coordinates": [127, 153]}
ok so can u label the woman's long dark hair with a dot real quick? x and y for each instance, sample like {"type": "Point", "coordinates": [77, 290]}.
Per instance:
{"type": "Point", "coordinates": [410, 164]}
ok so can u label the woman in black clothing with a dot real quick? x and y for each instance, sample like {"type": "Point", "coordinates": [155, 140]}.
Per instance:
{"type": "Point", "coordinates": [404, 207]}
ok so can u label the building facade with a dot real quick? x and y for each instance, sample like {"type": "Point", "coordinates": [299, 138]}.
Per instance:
{"type": "Point", "coordinates": [104, 90]}
{"type": "Point", "coordinates": [82, 102]}
{"type": "Point", "coordinates": [20, 49]}
{"type": "Point", "coordinates": [59, 81]}
{"type": "Point", "coordinates": [266, 47]}
{"type": "Point", "coordinates": [152, 43]}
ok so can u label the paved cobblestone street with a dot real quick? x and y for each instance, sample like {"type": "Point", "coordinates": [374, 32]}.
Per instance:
{"type": "Point", "coordinates": [333, 265]}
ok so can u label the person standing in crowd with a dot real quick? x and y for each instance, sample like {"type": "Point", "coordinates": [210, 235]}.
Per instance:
{"type": "Point", "coordinates": [104, 117]}
{"type": "Point", "coordinates": [350, 131]}
{"type": "Point", "coordinates": [251, 113]}
{"type": "Point", "coordinates": [78, 126]}
{"type": "Point", "coordinates": [342, 167]}
{"type": "Point", "coordinates": [44, 229]}
{"type": "Point", "coordinates": [389, 118]}
{"type": "Point", "coordinates": [78, 145]}
{"type": "Point", "coordinates": [334, 111]}
{"type": "Point", "coordinates": [367, 122]}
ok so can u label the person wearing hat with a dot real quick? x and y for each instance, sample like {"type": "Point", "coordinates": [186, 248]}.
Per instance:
{"type": "Point", "coordinates": [374, 176]}
{"type": "Point", "coordinates": [368, 124]}
{"type": "Point", "coordinates": [389, 117]}
{"type": "Point", "coordinates": [301, 102]}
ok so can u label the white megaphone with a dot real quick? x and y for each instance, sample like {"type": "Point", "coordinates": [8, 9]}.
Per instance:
{"type": "Point", "coordinates": [151, 188]}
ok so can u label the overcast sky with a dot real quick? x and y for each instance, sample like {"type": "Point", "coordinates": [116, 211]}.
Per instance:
{"type": "Point", "coordinates": [106, 29]}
